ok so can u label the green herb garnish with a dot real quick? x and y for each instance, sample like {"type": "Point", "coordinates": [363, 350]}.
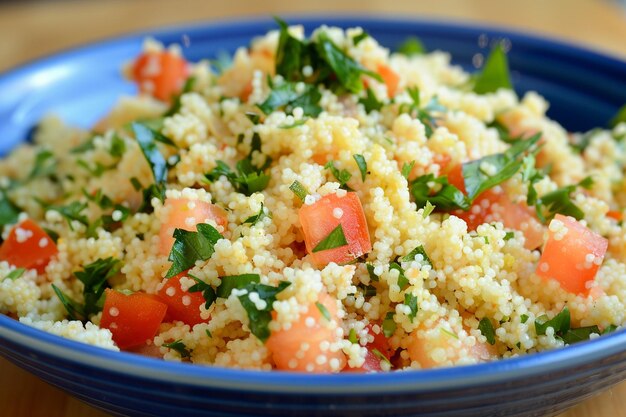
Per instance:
{"type": "Point", "coordinates": [44, 165]}
{"type": "Point", "coordinates": [446, 197]}
{"type": "Point", "coordinates": [147, 139]}
{"type": "Point", "coordinates": [428, 209]}
{"type": "Point", "coordinates": [620, 117]}
{"type": "Point", "coordinates": [370, 102]}
{"type": "Point", "coordinates": [230, 282]}
{"type": "Point", "coordinates": [495, 73]}
{"type": "Point", "coordinates": [323, 310]}
{"type": "Point", "coordinates": [15, 274]}
{"type": "Point", "coordinates": [403, 281]}
{"type": "Point", "coordinates": [297, 123]}
{"type": "Point", "coordinates": [335, 239]}
{"type": "Point", "coordinates": [259, 318]}
{"type": "Point", "coordinates": [342, 176]}
{"type": "Point", "coordinates": [389, 325]}
{"type": "Point", "coordinates": [509, 236]}
{"type": "Point", "coordinates": [9, 212]}
{"type": "Point", "coordinates": [358, 38]}
{"type": "Point", "coordinates": [412, 46]}
{"type": "Point", "coordinates": [176, 102]}
{"type": "Point", "coordinates": [486, 328]}
{"type": "Point", "coordinates": [352, 336]}
{"type": "Point", "coordinates": [254, 219]}
{"type": "Point", "coordinates": [417, 251]}
{"type": "Point", "coordinates": [72, 212]}
{"type": "Point", "coordinates": [299, 190]}
{"type": "Point", "coordinates": [207, 291]}
{"type": "Point", "coordinates": [362, 164]}
{"type": "Point", "coordinates": [411, 301]}
{"type": "Point", "coordinates": [407, 167]}
{"type": "Point", "coordinates": [190, 247]}
{"type": "Point", "coordinates": [179, 347]}
{"type": "Point", "coordinates": [380, 356]}
{"type": "Point", "coordinates": [370, 271]}
{"type": "Point", "coordinates": [287, 96]}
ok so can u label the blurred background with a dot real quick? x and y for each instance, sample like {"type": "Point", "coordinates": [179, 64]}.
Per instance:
{"type": "Point", "coordinates": [32, 29]}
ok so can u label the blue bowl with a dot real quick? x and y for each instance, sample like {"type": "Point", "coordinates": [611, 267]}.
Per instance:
{"type": "Point", "coordinates": [585, 89]}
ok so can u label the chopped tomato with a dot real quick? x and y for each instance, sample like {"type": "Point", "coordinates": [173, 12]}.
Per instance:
{"type": "Point", "coordinates": [322, 217]}
{"type": "Point", "coordinates": [300, 347]}
{"type": "Point", "coordinates": [390, 78]}
{"type": "Point", "coordinates": [495, 206]}
{"type": "Point", "coordinates": [455, 177]}
{"type": "Point", "coordinates": [572, 254]}
{"type": "Point", "coordinates": [132, 319]}
{"type": "Point", "coordinates": [182, 305]}
{"type": "Point", "coordinates": [160, 74]}
{"type": "Point", "coordinates": [617, 215]}
{"type": "Point", "coordinates": [28, 246]}
{"type": "Point", "coordinates": [182, 213]}
{"type": "Point", "coordinates": [372, 361]}
{"type": "Point", "coordinates": [245, 93]}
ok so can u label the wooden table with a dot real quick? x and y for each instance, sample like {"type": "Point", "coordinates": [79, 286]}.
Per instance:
{"type": "Point", "coordinates": [30, 30]}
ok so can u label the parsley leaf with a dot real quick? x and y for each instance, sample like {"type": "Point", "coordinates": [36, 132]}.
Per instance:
{"type": "Point", "coordinates": [495, 73]}
{"type": "Point", "coordinates": [504, 166]}
{"type": "Point", "coordinates": [9, 212]}
{"type": "Point", "coordinates": [286, 95]}
{"type": "Point", "coordinates": [559, 201]}
{"type": "Point", "coordinates": [72, 212]}
{"type": "Point", "coordinates": [207, 291]}
{"type": "Point", "coordinates": [407, 167]}
{"type": "Point", "coordinates": [509, 236]}
{"type": "Point", "coordinates": [620, 117]}
{"type": "Point", "coordinates": [389, 325]}
{"type": "Point", "coordinates": [560, 323]}
{"type": "Point", "coordinates": [342, 176]}
{"type": "Point", "coordinates": [352, 337]}
{"type": "Point", "coordinates": [417, 251]}
{"type": "Point", "coordinates": [358, 38]}
{"type": "Point", "coordinates": [486, 328]}
{"type": "Point", "coordinates": [323, 310]}
{"type": "Point", "coordinates": [259, 318]}
{"type": "Point", "coordinates": [147, 139]}
{"type": "Point", "coordinates": [347, 70]}
{"type": "Point", "coordinates": [289, 54]}
{"type": "Point", "coordinates": [44, 165]}
{"type": "Point", "coordinates": [412, 46]}
{"type": "Point", "coordinates": [411, 301]}
{"type": "Point", "coordinates": [179, 347]}
{"type": "Point", "coordinates": [579, 334]}
{"type": "Point", "coordinates": [335, 239]}
{"type": "Point", "coordinates": [447, 197]}
{"type": "Point", "coordinates": [190, 247]}
{"type": "Point", "coordinates": [297, 123]}
{"type": "Point", "coordinates": [94, 277]}
{"type": "Point", "coordinates": [187, 88]}
{"type": "Point", "coordinates": [15, 274]}
{"type": "Point", "coordinates": [254, 219]}
{"type": "Point", "coordinates": [362, 164]}
{"type": "Point", "coordinates": [299, 190]}
{"type": "Point", "coordinates": [428, 209]}
{"type": "Point", "coordinates": [403, 281]}
{"type": "Point", "coordinates": [229, 283]}
{"type": "Point", "coordinates": [370, 102]}
{"type": "Point", "coordinates": [371, 273]}
{"type": "Point", "coordinates": [428, 115]}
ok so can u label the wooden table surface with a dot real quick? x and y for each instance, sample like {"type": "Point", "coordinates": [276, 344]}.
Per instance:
{"type": "Point", "coordinates": [32, 29]}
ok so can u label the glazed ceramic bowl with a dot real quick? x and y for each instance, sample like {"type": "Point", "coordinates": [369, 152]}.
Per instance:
{"type": "Point", "coordinates": [584, 89]}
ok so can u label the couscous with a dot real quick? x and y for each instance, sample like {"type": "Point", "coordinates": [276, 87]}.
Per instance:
{"type": "Point", "coordinates": [318, 205]}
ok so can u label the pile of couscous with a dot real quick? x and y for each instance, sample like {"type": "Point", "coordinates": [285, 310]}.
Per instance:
{"type": "Point", "coordinates": [319, 205]}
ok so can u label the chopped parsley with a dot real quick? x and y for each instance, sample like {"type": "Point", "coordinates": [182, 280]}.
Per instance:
{"type": "Point", "coordinates": [403, 281]}
{"type": "Point", "coordinates": [362, 164]}
{"type": "Point", "coordinates": [389, 325]}
{"type": "Point", "coordinates": [207, 291]}
{"type": "Point", "coordinates": [190, 247]}
{"type": "Point", "coordinates": [323, 310]}
{"type": "Point", "coordinates": [411, 301]}
{"type": "Point", "coordinates": [561, 325]}
{"type": "Point", "coordinates": [335, 239]}
{"type": "Point", "coordinates": [179, 347]}
{"type": "Point", "coordinates": [44, 165]}
{"type": "Point", "coordinates": [15, 274]}
{"type": "Point", "coordinates": [428, 209]}
{"type": "Point", "coordinates": [495, 73]}
{"type": "Point", "coordinates": [342, 176]}
{"type": "Point", "coordinates": [380, 356]}
{"type": "Point", "coordinates": [118, 146]}
{"type": "Point", "coordinates": [247, 177]}
{"type": "Point", "coordinates": [328, 63]}
{"type": "Point", "coordinates": [370, 102]}
{"type": "Point", "coordinates": [147, 139]}
{"type": "Point", "coordinates": [489, 171]}
{"type": "Point", "coordinates": [486, 328]}
{"type": "Point", "coordinates": [439, 192]}
{"type": "Point", "coordinates": [352, 336]}
{"type": "Point", "coordinates": [358, 38]}
{"type": "Point", "coordinates": [260, 312]}
{"type": "Point", "coordinates": [560, 201]}
{"type": "Point", "coordinates": [176, 102]}
{"type": "Point", "coordinates": [230, 282]}
{"type": "Point", "coordinates": [9, 212]}
{"type": "Point", "coordinates": [287, 96]}
{"type": "Point", "coordinates": [412, 46]}
{"type": "Point", "coordinates": [509, 235]}
{"type": "Point", "coordinates": [299, 190]}
{"type": "Point", "coordinates": [297, 123]}
{"type": "Point", "coordinates": [72, 212]}
{"type": "Point", "coordinates": [254, 219]}
{"type": "Point", "coordinates": [417, 251]}
{"type": "Point", "coordinates": [255, 118]}
{"type": "Point", "coordinates": [407, 167]}
{"type": "Point", "coordinates": [428, 115]}
{"type": "Point", "coordinates": [524, 318]}
{"type": "Point", "coordinates": [94, 277]}
{"type": "Point", "coordinates": [370, 271]}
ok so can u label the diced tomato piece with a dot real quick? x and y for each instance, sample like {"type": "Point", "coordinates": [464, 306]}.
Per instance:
{"type": "Point", "coordinates": [132, 319]}
{"type": "Point", "coordinates": [28, 246]}
{"type": "Point", "coordinates": [160, 74]}
{"type": "Point", "coordinates": [390, 78]}
{"type": "Point", "coordinates": [455, 177]}
{"type": "Point", "coordinates": [495, 206]}
{"type": "Point", "coordinates": [617, 215]}
{"type": "Point", "coordinates": [380, 343]}
{"type": "Point", "coordinates": [182, 305]}
{"type": "Point", "coordinates": [572, 254]}
{"type": "Point", "coordinates": [245, 93]}
{"type": "Point", "coordinates": [322, 217]}
{"type": "Point", "coordinates": [186, 214]}
{"type": "Point", "coordinates": [371, 364]}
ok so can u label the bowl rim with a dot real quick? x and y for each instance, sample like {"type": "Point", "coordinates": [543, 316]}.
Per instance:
{"type": "Point", "coordinates": [496, 372]}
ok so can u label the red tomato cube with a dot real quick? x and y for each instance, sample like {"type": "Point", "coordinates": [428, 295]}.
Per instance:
{"type": "Point", "coordinates": [323, 216]}
{"type": "Point", "coordinates": [572, 254]}
{"type": "Point", "coordinates": [182, 305]}
{"type": "Point", "coordinates": [28, 246]}
{"type": "Point", "coordinates": [160, 74]}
